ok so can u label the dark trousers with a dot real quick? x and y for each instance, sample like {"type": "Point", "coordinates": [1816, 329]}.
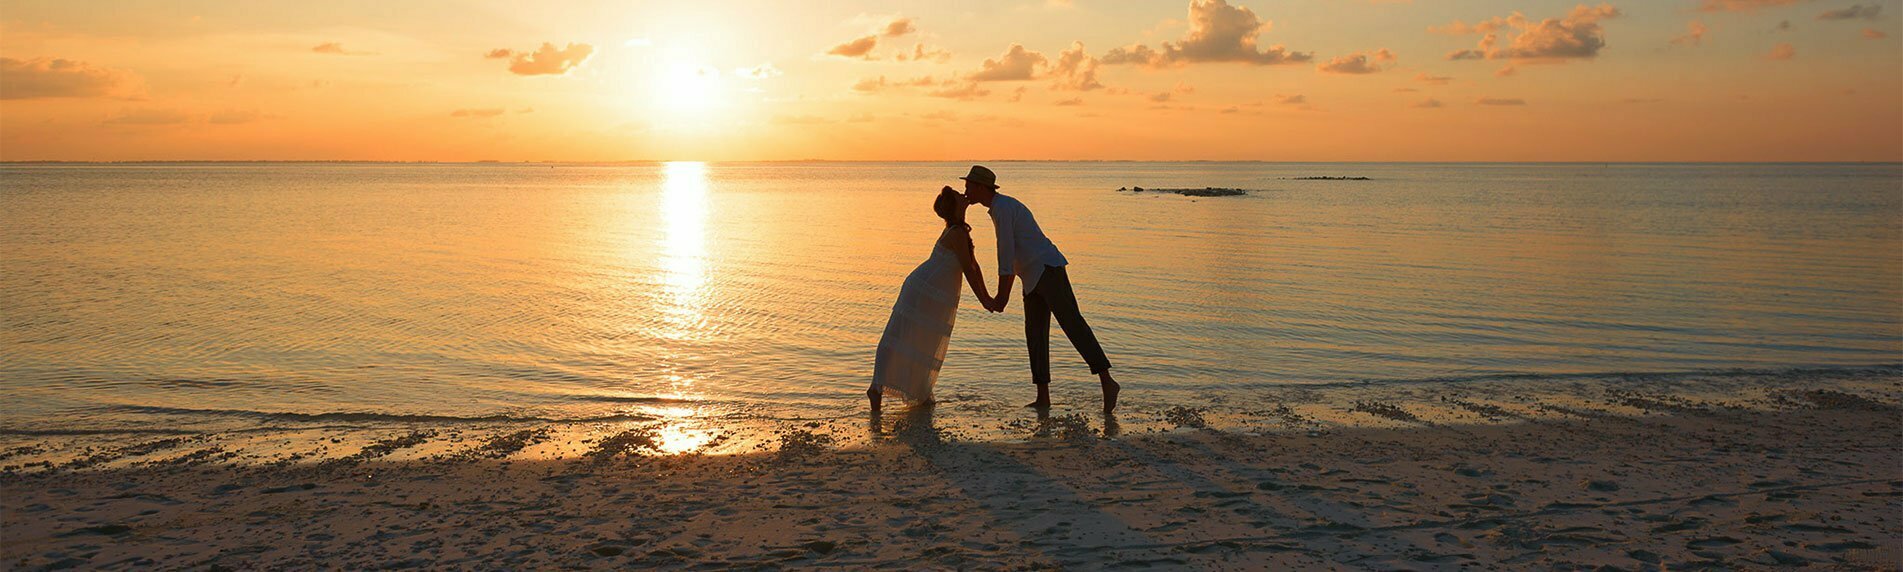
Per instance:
{"type": "Point", "coordinates": [1053, 297]}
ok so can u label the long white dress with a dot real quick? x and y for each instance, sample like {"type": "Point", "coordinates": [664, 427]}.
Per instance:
{"type": "Point", "coordinates": [919, 331]}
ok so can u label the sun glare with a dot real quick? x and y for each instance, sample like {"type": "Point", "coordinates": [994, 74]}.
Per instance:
{"type": "Point", "coordinates": [688, 91]}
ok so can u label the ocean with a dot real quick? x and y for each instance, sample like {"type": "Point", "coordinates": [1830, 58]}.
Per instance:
{"type": "Point", "coordinates": [234, 295]}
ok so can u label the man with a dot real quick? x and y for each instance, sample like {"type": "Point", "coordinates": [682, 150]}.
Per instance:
{"type": "Point", "coordinates": [1023, 251]}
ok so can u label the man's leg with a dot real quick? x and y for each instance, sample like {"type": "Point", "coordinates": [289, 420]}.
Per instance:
{"type": "Point", "coordinates": [1037, 338]}
{"type": "Point", "coordinates": [1061, 302]}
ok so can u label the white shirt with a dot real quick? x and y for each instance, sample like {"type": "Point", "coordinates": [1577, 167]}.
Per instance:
{"type": "Point", "coordinates": [1022, 248]}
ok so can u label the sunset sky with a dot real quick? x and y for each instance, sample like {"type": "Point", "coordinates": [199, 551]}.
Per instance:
{"type": "Point", "coordinates": [1291, 80]}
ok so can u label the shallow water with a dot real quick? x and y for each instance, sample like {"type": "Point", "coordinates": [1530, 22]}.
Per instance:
{"type": "Point", "coordinates": [238, 294]}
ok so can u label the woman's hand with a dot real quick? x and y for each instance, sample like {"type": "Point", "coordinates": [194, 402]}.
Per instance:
{"type": "Point", "coordinates": [984, 300]}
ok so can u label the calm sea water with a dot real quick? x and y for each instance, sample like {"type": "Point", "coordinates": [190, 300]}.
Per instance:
{"type": "Point", "coordinates": [157, 293]}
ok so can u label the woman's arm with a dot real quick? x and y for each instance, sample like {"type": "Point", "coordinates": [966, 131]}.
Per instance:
{"type": "Point", "coordinates": [968, 261]}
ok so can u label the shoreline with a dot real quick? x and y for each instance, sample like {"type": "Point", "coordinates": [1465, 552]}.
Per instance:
{"type": "Point", "coordinates": [1632, 480]}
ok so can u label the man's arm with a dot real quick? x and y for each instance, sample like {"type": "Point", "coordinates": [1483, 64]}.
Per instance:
{"type": "Point", "coordinates": [1007, 256]}
{"type": "Point", "coordinates": [1004, 293]}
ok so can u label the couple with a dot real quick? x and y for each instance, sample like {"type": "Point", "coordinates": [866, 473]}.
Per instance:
{"type": "Point", "coordinates": [919, 331]}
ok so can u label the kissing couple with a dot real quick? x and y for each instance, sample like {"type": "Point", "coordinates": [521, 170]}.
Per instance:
{"type": "Point", "coordinates": [919, 331]}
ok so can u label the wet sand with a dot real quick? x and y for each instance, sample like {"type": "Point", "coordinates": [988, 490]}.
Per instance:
{"type": "Point", "coordinates": [1622, 480]}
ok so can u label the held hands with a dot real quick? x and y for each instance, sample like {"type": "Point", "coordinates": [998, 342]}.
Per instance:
{"type": "Point", "coordinates": [995, 304]}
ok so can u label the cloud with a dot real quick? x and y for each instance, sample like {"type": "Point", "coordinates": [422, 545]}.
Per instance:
{"type": "Point", "coordinates": [962, 92]}
{"type": "Point", "coordinates": [1854, 12]}
{"type": "Point", "coordinates": [1506, 71]}
{"type": "Point", "coordinates": [1075, 70]}
{"type": "Point", "coordinates": [1576, 36]}
{"type": "Point", "coordinates": [1017, 64]}
{"type": "Point", "coordinates": [1297, 99]}
{"type": "Point", "coordinates": [546, 60]}
{"type": "Point", "coordinates": [860, 48]}
{"type": "Point", "coordinates": [1743, 5]}
{"type": "Point", "coordinates": [477, 113]}
{"type": "Point", "coordinates": [337, 49]}
{"type": "Point", "coordinates": [1874, 34]}
{"type": "Point", "coordinates": [1069, 102]}
{"type": "Point", "coordinates": [1160, 97]}
{"type": "Point", "coordinates": [762, 71]}
{"type": "Point", "coordinates": [920, 54]}
{"type": "Point", "coordinates": [899, 27]}
{"type": "Point", "coordinates": [150, 118]}
{"type": "Point", "coordinates": [1429, 103]}
{"type": "Point", "coordinates": [1503, 101]}
{"type": "Point", "coordinates": [1784, 26]}
{"type": "Point", "coordinates": [1780, 52]}
{"type": "Point", "coordinates": [1358, 63]}
{"type": "Point", "coordinates": [1694, 34]}
{"type": "Point", "coordinates": [51, 77]}
{"type": "Point", "coordinates": [870, 85]}
{"type": "Point", "coordinates": [1432, 79]}
{"type": "Point", "coordinates": [1217, 32]}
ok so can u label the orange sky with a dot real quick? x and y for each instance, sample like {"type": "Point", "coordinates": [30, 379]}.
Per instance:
{"type": "Point", "coordinates": [1309, 80]}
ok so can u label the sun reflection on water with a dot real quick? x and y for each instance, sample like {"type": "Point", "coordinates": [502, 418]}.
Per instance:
{"type": "Point", "coordinates": [683, 279]}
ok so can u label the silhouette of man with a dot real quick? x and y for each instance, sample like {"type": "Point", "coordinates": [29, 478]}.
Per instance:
{"type": "Point", "coordinates": [1024, 251]}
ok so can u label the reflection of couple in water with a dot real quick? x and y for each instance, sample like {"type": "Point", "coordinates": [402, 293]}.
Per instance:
{"type": "Point", "coordinates": [919, 331]}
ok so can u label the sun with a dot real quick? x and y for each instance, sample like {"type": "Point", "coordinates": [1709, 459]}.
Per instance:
{"type": "Point", "coordinates": [688, 91]}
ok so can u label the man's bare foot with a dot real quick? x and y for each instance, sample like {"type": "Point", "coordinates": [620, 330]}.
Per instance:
{"type": "Point", "coordinates": [1043, 398]}
{"type": "Point", "coordinates": [1110, 390]}
{"type": "Point", "coordinates": [873, 395]}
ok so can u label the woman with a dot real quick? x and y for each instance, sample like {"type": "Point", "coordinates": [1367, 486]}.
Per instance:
{"type": "Point", "coordinates": [919, 330]}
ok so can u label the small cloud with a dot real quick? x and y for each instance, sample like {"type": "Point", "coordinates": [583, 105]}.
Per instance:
{"type": "Point", "coordinates": [1780, 52]}
{"type": "Point", "coordinates": [1217, 32]}
{"type": "Point", "coordinates": [1578, 35]}
{"type": "Point", "coordinates": [1432, 79]}
{"type": "Point", "coordinates": [1694, 34]}
{"type": "Point", "coordinates": [870, 85]}
{"type": "Point", "coordinates": [1406, 90]}
{"type": "Point", "coordinates": [1504, 101]}
{"type": "Point", "coordinates": [1784, 26]}
{"type": "Point", "coordinates": [1874, 34]}
{"type": "Point", "coordinates": [1297, 99]}
{"type": "Point", "coordinates": [1429, 103]}
{"type": "Point", "coordinates": [1506, 71]}
{"type": "Point", "coordinates": [899, 27]}
{"type": "Point", "coordinates": [1070, 102]}
{"type": "Point", "coordinates": [859, 48]}
{"type": "Point", "coordinates": [762, 71]}
{"type": "Point", "coordinates": [48, 78]}
{"type": "Point", "coordinates": [1017, 95]}
{"type": "Point", "coordinates": [1016, 64]}
{"type": "Point", "coordinates": [1160, 97]}
{"type": "Point", "coordinates": [1742, 5]}
{"type": "Point", "coordinates": [1854, 12]}
{"type": "Point", "coordinates": [150, 118]}
{"type": "Point", "coordinates": [499, 53]}
{"type": "Point", "coordinates": [961, 92]}
{"type": "Point", "coordinates": [548, 59]}
{"type": "Point", "coordinates": [1358, 63]}
{"type": "Point", "coordinates": [1231, 110]}
{"type": "Point", "coordinates": [1075, 70]}
{"type": "Point", "coordinates": [477, 113]}
{"type": "Point", "coordinates": [920, 53]}
{"type": "Point", "coordinates": [337, 49]}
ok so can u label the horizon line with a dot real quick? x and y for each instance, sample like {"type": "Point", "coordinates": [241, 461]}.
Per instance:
{"type": "Point", "coordinates": [975, 161]}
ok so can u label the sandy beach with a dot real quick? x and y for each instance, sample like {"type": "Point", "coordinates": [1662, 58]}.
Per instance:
{"type": "Point", "coordinates": [1657, 481]}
